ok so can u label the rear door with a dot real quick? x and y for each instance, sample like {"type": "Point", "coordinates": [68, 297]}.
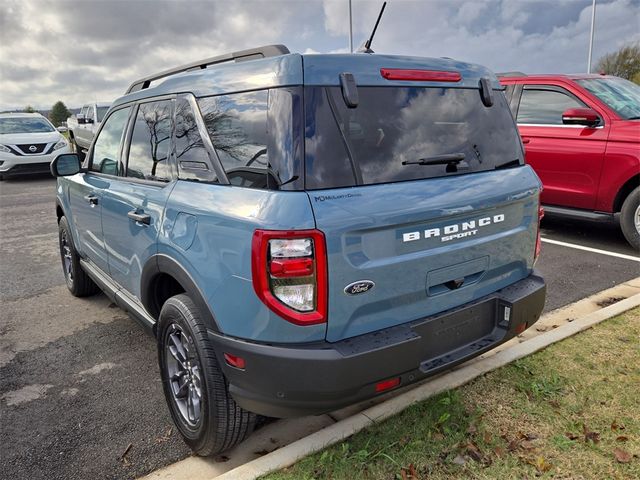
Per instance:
{"type": "Point", "coordinates": [429, 237]}
{"type": "Point", "coordinates": [86, 191]}
{"type": "Point", "coordinates": [567, 158]}
{"type": "Point", "coordinates": [134, 203]}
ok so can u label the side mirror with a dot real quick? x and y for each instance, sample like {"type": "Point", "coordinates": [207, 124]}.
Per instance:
{"type": "Point", "coordinates": [80, 119]}
{"type": "Point", "coordinates": [581, 116]}
{"type": "Point", "coordinates": [62, 129]}
{"type": "Point", "coordinates": [88, 120]}
{"type": "Point", "coordinates": [65, 165]}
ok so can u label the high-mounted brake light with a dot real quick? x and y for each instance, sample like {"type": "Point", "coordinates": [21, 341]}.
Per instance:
{"type": "Point", "coordinates": [420, 75]}
{"type": "Point", "coordinates": [289, 272]}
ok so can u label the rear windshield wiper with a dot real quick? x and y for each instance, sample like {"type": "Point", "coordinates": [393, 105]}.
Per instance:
{"type": "Point", "coordinates": [437, 159]}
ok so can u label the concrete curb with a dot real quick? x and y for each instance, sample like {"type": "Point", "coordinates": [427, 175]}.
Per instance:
{"type": "Point", "coordinates": [293, 452]}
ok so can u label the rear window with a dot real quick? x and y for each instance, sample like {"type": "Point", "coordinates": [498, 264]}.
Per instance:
{"type": "Point", "coordinates": [391, 125]}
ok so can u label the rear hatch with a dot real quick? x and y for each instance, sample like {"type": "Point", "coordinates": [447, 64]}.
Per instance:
{"type": "Point", "coordinates": [423, 197]}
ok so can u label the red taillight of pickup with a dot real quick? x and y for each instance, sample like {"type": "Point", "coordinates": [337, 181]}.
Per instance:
{"type": "Point", "coordinates": [289, 270]}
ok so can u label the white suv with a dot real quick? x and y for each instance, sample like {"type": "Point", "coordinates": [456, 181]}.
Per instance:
{"type": "Point", "coordinates": [28, 143]}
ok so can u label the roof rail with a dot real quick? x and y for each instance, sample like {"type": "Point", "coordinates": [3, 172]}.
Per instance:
{"type": "Point", "coordinates": [243, 55]}
{"type": "Point", "coordinates": [511, 74]}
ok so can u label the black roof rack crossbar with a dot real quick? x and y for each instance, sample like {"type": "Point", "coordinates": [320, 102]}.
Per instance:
{"type": "Point", "coordinates": [250, 54]}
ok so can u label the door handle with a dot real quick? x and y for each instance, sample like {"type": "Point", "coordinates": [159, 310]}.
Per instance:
{"type": "Point", "coordinates": [143, 218]}
{"type": "Point", "coordinates": [92, 199]}
{"type": "Point", "coordinates": [526, 140]}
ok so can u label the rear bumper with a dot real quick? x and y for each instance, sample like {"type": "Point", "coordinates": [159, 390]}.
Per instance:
{"type": "Point", "coordinates": [295, 380]}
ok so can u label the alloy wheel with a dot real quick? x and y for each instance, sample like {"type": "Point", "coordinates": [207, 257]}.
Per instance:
{"type": "Point", "coordinates": [185, 374]}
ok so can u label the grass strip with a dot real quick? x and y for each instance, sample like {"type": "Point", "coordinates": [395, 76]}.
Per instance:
{"type": "Point", "coordinates": [569, 411]}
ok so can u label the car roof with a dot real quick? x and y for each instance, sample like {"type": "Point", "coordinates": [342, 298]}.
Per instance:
{"type": "Point", "coordinates": [309, 69]}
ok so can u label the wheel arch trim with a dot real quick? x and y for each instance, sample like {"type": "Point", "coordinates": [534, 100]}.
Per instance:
{"type": "Point", "coordinates": [624, 191]}
{"type": "Point", "coordinates": [163, 264]}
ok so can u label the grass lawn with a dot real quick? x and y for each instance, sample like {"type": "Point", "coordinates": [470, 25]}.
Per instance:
{"type": "Point", "coordinates": [571, 411]}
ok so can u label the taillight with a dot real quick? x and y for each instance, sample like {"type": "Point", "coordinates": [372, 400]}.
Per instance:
{"type": "Point", "coordinates": [289, 271]}
{"type": "Point", "coordinates": [420, 75]}
{"type": "Point", "coordinates": [538, 240]}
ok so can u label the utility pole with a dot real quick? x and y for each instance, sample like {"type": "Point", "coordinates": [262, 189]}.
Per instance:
{"type": "Point", "coordinates": [351, 28]}
{"type": "Point", "coordinates": [593, 24]}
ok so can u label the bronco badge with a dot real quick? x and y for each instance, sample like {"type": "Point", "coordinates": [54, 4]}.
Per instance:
{"type": "Point", "coordinates": [361, 286]}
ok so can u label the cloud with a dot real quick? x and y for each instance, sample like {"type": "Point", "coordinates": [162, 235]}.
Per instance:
{"type": "Point", "coordinates": [76, 51]}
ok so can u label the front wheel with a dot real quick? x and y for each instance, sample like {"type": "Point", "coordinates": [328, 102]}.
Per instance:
{"type": "Point", "coordinates": [196, 391]}
{"type": "Point", "coordinates": [78, 282]}
{"type": "Point", "coordinates": [630, 218]}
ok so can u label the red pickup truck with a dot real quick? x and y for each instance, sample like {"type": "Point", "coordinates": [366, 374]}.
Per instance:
{"type": "Point", "coordinates": [581, 134]}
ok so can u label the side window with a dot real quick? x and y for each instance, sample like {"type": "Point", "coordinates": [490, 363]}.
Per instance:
{"type": "Point", "coordinates": [149, 147]}
{"type": "Point", "coordinates": [544, 106]}
{"type": "Point", "coordinates": [83, 111]}
{"type": "Point", "coordinates": [106, 149]}
{"type": "Point", "coordinates": [237, 126]}
{"type": "Point", "coordinates": [190, 152]}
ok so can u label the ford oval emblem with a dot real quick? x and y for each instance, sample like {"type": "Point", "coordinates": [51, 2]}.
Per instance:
{"type": "Point", "coordinates": [361, 286]}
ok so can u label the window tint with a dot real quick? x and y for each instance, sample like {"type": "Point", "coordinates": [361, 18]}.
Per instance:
{"type": "Point", "coordinates": [544, 106]}
{"type": "Point", "coordinates": [237, 126]}
{"type": "Point", "coordinates": [190, 152]}
{"type": "Point", "coordinates": [106, 150]}
{"type": "Point", "coordinates": [394, 128]}
{"type": "Point", "coordinates": [149, 148]}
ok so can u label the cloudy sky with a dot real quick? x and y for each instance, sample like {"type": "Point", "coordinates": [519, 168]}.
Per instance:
{"type": "Point", "coordinates": [78, 51]}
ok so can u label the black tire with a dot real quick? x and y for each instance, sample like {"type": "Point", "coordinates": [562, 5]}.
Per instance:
{"type": "Point", "coordinates": [630, 218]}
{"type": "Point", "coordinates": [213, 422]}
{"type": "Point", "coordinates": [78, 282]}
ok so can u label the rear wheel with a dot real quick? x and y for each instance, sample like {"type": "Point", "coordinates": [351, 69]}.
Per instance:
{"type": "Point", "coordinates": [630, 218]}
{"type": "Point", "coordinates": [78, 282]}
{"type": "Point", "coordinates": [196, 391]}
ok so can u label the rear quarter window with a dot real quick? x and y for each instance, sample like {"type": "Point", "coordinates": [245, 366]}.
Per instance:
{"type": "Point", "coordinates": [257, 137]}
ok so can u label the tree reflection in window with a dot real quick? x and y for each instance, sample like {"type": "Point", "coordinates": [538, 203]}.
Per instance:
{"type": "Point", "coordinates": [150, 141]}
{"type": "Point", "coordinates": [237, 126]}
{"type": "Point", "coordinates": [190, 152]}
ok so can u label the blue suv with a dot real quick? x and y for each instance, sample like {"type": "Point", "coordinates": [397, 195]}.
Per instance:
{"type": "Point", "coordinates": [302, 232]}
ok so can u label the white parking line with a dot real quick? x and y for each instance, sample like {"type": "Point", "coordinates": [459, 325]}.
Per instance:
{"type": "Point", "coordinates": [589, 249]}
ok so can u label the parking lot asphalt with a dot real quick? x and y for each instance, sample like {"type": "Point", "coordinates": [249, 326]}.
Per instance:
{"type": "Point", "coordinates": [80, 395]}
